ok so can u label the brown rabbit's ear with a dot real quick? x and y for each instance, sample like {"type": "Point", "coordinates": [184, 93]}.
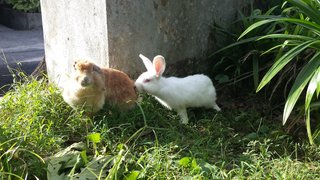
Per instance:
{"type": "Point", "coordinates": [159, 65]}
{"type": "Point", "coordinates": [96, 69]}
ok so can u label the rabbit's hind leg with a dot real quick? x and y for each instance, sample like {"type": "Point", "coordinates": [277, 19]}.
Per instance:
{"type": "Point", "coordinates": [183, 115]}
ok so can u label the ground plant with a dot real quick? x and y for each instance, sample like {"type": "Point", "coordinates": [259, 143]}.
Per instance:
{"type": "Point", "coordinates": [30, 6]}
{"type": "Point", "coordinates": [43, 138]}
{"type": "Point", "coordinates": [295, 36]}
{"type": "Point", "coordinates": [300, 35]}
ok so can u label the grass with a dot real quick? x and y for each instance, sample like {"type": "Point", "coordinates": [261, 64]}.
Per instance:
{"type": "Point", "coordinates": [244, 141]}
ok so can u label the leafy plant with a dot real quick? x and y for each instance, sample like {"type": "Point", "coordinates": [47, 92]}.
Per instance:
{"type": "Point", "coordinates": [243, 62]}
{"type": "Point", "coordinates": [32, 117]}
{"type": "Point", "coordinates": [25, 5]}
{"type": "Point", "coordinates": [298, 28]}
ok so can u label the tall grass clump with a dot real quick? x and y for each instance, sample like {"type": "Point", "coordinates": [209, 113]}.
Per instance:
{"type": "Point", "coordinates": [295, 35]}
{"type": "Point", "coordinates": [300, 35]}
{"type": "Point", "coordinates": [34, 122]}
{"type": "Point", "coordinates": [240, 61]}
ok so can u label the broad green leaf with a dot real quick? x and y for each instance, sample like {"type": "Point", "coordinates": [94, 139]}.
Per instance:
{"type": "Point", "coordinates": [309, 25]}
{"type": "Point", "coordinates": [318, 89]}
{"type": "Point", "coordinates": [84, 157]}
{"type": "Point", "coordinates": [94, 137]}
{"type": "Point", "coordinates": [133, 175]}
{"type": "Point", "coordinates": [281, 50]}
{"type": "Point", "coordinates": [194, 166]}
{"type": "Point", "coordinates": [313, 85]}
{"type": "Point", "coordinates": [301, 81]}
{"type": "Point", "coordinates": [307, 9]}
{"type": "Point", "coordinates": [286, 36]}
{"type": "Point", "coordinates": [308, 125]}
{"type": "Point", "coordinates": [282, 61]}
{"type": "Point", "coordinates": [185, 161]}
{"type": "Point", "coordinates": [255, 70]}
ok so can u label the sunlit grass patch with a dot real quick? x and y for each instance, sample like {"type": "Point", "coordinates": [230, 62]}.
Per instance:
{"type": "Point", "coordinates": [147, 142]}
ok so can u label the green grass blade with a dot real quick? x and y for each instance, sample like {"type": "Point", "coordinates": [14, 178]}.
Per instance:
{"type": "Point", "coordinates": [34, 154]}
{"type": "Point", "coordinates": [270, 11]}
{"type": "Point", "coordinates": [301, 81]}
{"type": "Point", "coordinates": [255, 70]}
{"type": "Point", "coordinates": [281, 46]}
{"type": "Point", "coordinates": [9, 175]}
{"type": "Point", "coordinates": [256, 25]}
{"type": "Point", "coordinates": [271, 49]}
{"type": "Point", "coordinates": [282, 61]}
{"type": "Point", "coordinates": [236, 44]}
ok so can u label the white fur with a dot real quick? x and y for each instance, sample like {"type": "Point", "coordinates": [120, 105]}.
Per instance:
{"type": "Point", "coordinates": [177, 93]}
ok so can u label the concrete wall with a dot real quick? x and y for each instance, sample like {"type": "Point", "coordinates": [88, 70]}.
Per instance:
{"type": "Point", "coordinates": [73, 29]}
{"type": "Point", "coordinates": [114, 32]}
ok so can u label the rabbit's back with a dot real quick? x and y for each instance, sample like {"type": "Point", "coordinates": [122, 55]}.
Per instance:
{"type": "Point", "coordinates": [119, 87]}
{"type": "Point", "coordinates": [191, 91]}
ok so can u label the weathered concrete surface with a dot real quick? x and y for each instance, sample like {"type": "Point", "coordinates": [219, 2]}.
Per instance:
{"type": "Point", "coordinates": [74, 29]}
{"type": "Point", "coordinates": [179, 29]}
{"type": "Point", "coordinates": [114, 32]}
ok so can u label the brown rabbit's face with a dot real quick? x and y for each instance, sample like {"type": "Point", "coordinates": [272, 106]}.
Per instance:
{"type": "Point", "coordinates": [84, 73]}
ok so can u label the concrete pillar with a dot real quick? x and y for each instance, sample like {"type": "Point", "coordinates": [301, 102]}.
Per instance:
{"type": "Point", "coordinates": [73, 29]}
{"type": "Point", "coordinates": [114, 32]}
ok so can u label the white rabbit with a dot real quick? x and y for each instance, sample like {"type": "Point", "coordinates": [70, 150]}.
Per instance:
{"type": "Point", "coordinates": [176, 93]}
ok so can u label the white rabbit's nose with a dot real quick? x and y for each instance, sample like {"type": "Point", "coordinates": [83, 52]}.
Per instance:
{"type": "Point", "coordinates": [138, 87]}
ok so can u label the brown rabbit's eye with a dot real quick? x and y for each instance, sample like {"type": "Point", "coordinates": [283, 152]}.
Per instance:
{"type": "Point", "coordinates": [146, 80]}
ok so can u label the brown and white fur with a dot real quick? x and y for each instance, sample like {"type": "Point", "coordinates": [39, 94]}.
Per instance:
{"type": "Point", "coordinates": [92, 86]}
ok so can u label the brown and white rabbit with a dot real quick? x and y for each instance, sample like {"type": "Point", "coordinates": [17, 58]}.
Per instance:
{"type": "Point", "coordinates": [91, 86]}
{"type": "Point", "coordinates": [176, 93]}
{"type": "Point", "coordinates": [85, 87]}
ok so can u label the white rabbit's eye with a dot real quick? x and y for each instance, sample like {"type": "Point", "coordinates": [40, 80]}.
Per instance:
{"type": "Point", "coordinates": [146, 80]}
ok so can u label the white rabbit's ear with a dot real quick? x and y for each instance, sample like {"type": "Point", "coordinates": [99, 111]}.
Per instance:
{"type": "Point", "coordinates": [147, 63]}
{"type": "Point", "coordinates": [159, 65]}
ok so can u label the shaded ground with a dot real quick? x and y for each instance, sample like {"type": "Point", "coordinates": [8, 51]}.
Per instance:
{"type": "Point", "coordinates": [21, 50]}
